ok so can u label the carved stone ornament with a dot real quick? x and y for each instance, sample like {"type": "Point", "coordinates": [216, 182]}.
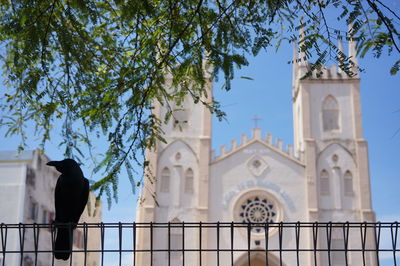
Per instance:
{"type": "Point", "coordinates": [257, 165]}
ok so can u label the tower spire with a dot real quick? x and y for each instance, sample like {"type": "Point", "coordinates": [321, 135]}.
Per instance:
{"type": "Point", "coordinates": [352, 50]}
{"type": "Point", "coordinates": [302, 65]}
{"type": "Point", "coordinates": [303, 58]}
{"type": "Point", "coordinates": [295, 62]}
{"type": "Point", "coordinates": [340, 55]}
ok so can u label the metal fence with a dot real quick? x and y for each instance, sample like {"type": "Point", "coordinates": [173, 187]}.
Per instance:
{"type": "Point", "coordinates": [198, 243]}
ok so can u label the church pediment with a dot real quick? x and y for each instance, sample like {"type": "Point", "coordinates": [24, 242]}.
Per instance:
{"type": "Point", "coordinates": [177, 145]}
{"type": "Point", "coordinates": [256, 146]}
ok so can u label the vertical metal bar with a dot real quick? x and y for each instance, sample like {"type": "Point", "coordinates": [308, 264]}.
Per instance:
{"type": "Point", "coordinates": [183, 243]}
{"type": "Point", "coordinates": [4, 232]}
{"type": "Point", "coordinates": [297, 233]}
{"type": "Point", "coordinates": [315, 241]}
{"type": "Point", "coordinates": [266, 234]}
{"type": "Point", "coordinates": [120, 242]}
{"type": "Point", "coordinates": [394, 240]}
{"type": "Point", "coordinates": [36, 240]}
{"type": "Point", "coordinates": [71, 246]}
{"type": "Point", "coordinates": [200, 239]}
{"type": "Point", "coordinates": [151, 243]}
{"type": "Point", "coordinates": [169, 243]}
{"type": "Point", "coordinates": [377, 240]}
{"type": "Point", "coordinates": [85, 238]}
{"type": "Point", "coordinates": [102, 232]}
{"type": "Point", "coordinates": [21, 233]}
{"type": "Point", "coordinates": [328, 230]}
{"type": "Point", "coordinates": [134, 243]}
{"type": "Point", "coordinates": [363, 234]}
{"type": "Point", "coordinates": [248, 243]}
{"type": "Point", "coordinates": [280, 232]}
{"type": "Point", "coordinates": [346, 227]}
{"type": "Point", "coordinates": [218, 243]}
{"type": "Point", "coordinates": [232, 235]}
{"type": "Point", "coordinates": [53, 239]}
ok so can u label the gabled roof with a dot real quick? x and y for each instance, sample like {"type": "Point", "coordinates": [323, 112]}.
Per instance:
{"type": "Point", "coordinates": [277, 147]}
{"type": "Point", "coordinates": [16, 156]}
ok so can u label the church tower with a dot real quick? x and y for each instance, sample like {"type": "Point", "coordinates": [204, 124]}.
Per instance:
{"type": "Point", "coordinates": [176, 189]}
{"type": "Point", "coordinates": [328, 130]}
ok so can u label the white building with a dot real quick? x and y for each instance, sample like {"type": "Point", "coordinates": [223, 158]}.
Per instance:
{"type": "Point", "coordinates": [27, 196]}
{"type": "Point", "coordinates": [323, 177]}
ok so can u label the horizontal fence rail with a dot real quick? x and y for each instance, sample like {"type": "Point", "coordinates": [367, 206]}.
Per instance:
{"type": "Point", "coordinates": [198, 243]}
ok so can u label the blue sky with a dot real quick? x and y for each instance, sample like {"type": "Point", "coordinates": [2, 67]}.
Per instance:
{"type": "Point", "coordinates": [268, 96]}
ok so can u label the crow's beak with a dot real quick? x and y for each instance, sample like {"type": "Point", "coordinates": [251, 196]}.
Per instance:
{"type": "Point", "coordinates": [53, 163]}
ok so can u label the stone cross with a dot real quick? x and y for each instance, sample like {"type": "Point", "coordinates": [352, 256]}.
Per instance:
{"type": "Point", "coordinates": [256, 119]}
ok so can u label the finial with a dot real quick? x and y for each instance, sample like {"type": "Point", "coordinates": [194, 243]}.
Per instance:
{"type": "Point", "coordinates": [269, 138]}
{"type": "Point", "coordinates": [233, 144]}
{"type": "Point", "coordinates": [340, 45]}
{"type": "Point", "coordinates": [352, 50]}
{"type": "Point", "coordinates": [295, 59]}
{"type": "Point", "coordinates": [341, 55]}
{"type": "Point", "coordinates": [244, 139]}
{"type": "Point", "coordinates": [256, 133]}
{"type": "Point", "coordinates": [222, 150]}
{"type": "Point", "coordinates": [303, 57]}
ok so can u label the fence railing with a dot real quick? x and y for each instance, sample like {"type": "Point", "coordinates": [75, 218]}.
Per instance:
{"type": "Point", "coordinates": [197, 243]}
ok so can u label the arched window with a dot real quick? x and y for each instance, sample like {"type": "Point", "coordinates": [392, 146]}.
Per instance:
{"type": "Point", "coordinates": [330, 114]}
{"type": "Point", "coordinates": [180, 115]}
{"type": "Point", "coordinates": [324, 186]}
{"type": "Point", "coordinates": [189, 180]}
{"type": "Point", "coordinates": [165, 180]}
{"type": "Point", "coordinates": [348, 183]}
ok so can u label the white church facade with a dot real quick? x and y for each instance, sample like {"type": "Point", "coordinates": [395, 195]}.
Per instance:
{"type": "Point", "coordinates": [323, 177]}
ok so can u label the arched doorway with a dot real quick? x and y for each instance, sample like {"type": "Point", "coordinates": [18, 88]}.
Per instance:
{"type": "Point", "coordinates": [257, 259]}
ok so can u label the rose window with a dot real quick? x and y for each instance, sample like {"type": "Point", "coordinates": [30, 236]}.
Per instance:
{"type": "Point", "coordinates": [256, 208]}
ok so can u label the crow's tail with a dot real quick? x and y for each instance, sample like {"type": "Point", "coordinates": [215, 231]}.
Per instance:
{"type": "Point", "coordinates": [63, 245]}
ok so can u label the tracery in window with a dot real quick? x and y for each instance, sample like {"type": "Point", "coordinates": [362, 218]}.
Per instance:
{"type": "Point", "coordinates": [324, 186]}
{"type": "Point", "coordinates": [180, 115]}
{"type": "Point", "coordinates": [348, 183]}
{"type": "Point", "coordinates": [256, 207]}
{"type": "Point", "coordinates": [178, 156]}
{"type": "Point", "coordinates": [34, 211]}
{"type": "Point", "coordinates": [45, 215]}
{"type": "Point", "coordinates": [189, 181]}
{"type": "Point", "coordinates": [330, 114]}
{"type": "Point", "coordinates": [165, 180]}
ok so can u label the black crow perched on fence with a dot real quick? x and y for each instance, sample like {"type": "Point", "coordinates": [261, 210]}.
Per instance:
{"type": "Point", "coordinates": [71, 195]}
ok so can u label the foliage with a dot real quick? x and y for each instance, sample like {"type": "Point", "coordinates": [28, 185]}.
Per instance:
{"type": "Point", "coordinates": [97, 66]}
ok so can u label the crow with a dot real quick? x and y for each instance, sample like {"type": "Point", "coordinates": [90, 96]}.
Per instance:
{"type": "Point", "coordinates": [71, 195]}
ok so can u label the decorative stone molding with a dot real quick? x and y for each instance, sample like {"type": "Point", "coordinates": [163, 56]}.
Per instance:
{"type": "Point", "coordinates": [257, 165]}
{"type": "Point", "coordinates": [277, 145]}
